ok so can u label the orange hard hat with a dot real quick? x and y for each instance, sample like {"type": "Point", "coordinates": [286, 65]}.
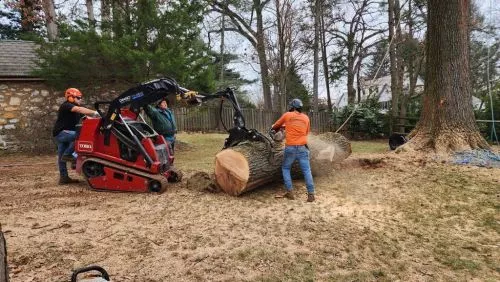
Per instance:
{"type": "Point", "coordinates": [71, 94]}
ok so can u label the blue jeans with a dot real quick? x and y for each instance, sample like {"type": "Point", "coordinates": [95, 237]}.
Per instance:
{"type": "Point", "coordinates": [300, 153]}
{"type": "Point", "coordinates": [171, 142]}
{"type": "Point", "coordinates": [65, 146]}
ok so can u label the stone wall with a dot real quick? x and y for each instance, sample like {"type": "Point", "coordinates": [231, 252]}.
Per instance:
{"type": "Point", "coordinates": [27, 113]}
{"type": "Point", "coordinates": [28, 110]}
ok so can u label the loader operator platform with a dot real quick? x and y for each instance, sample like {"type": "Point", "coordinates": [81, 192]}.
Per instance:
{"type": "Point", "coordinates": [64, 134]}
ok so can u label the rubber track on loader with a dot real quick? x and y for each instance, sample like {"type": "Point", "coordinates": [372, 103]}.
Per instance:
{"type": "Point", "coordinates": [158, 177]}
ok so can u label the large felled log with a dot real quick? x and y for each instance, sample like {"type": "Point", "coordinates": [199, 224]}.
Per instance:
{"type": "Point", "coordinates": [251, 164]}
{"type": "Point", "coordinates": [246, 166]}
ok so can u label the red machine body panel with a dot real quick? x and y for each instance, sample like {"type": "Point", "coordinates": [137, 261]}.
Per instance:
{"type": "Point", "coordinates": [91, 144]}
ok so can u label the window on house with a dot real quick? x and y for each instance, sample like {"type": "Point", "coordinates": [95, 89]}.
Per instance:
{"type": "Point", "coordinates": [385, 105]}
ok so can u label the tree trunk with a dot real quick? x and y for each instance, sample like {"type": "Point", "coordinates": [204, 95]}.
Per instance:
{"type": "Point", "coordinates": [351, 93]}
{"type": "Point", "coordinates": [351, 72]}
{"type": "Point", "coordinates": [50, 17]}
{"type": "Point", "coordinates": [447, 121]}
{"type": "Point", "coordinates": [118, 18]}
{"type": "Point", "coordinates": [400, 70]}
{"type": "Point", "coordinates": [316, 55]}
{"type": "Point", "coordinates": [261, 52]}
{"type": "Point", "coordinates": [4, 276]}
{"type": "Point", "coordinates": [222, 34]}
{"type": "Point", "coordinates": [28, 15]}
{"type": "Point", "coordinates": [324, 58]}
{"type": "Point", "coordinates": [255, 37]}
{"type": "Point", "coordinates": [280, 102]}
{"type": "Point", "coordinates": [105, 17]}
{"type": "Point", "coordinates": [247, 166]}
{"type": "Point", "coordinates": [252, 164]}
{"type": "Point", "coordinates": [394, 62]}
{"type": "Point", "coordinates": [90, 13]}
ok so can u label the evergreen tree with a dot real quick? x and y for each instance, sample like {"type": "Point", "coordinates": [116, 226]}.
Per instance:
{"type": "Point", "coordinates": [295, 87]}
{"type": "Point", "coordinates": [10, 24]}
{"type": "Point", "coordinates": [232, 79]}
{"type": "Point", "coordinates": [20, 20]}
{"type": "Point", "coordinates": [156, 41]}
{"type": "Point", "coordinates": [376, 60]}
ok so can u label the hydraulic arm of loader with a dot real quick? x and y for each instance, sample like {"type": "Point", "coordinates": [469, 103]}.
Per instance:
{"type": "Point", "coordinates": [238, 132]}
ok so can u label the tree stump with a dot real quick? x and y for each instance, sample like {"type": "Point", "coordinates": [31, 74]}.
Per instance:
{"type": "Point", "coordinates": [251, 164]}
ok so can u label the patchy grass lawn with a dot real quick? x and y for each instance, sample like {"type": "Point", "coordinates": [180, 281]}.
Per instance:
{"type": "Point", "coordinates": [406, 219]}
{"type": "Point", "coordinates": [377, 146]}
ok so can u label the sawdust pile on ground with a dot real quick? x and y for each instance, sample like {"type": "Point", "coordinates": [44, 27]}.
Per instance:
{"type": "Point", "coordinates": [201, 181]}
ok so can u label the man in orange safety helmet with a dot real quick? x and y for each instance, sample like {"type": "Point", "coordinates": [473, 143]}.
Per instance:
{"type": "Point", "coordinates": [298, 126]}
{"type": "Point", "coordinates": [68, 116]}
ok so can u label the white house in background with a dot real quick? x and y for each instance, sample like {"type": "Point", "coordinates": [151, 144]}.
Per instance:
{"type": "Point", "coordinates": [381, 88]}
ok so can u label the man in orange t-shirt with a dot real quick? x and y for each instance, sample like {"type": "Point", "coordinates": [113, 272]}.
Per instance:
{"type": "Point", "coordinates": [297, 128]}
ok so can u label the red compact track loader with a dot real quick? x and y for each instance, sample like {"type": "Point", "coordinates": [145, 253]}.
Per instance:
{"type": "Point", "coordinates": [120, 152]}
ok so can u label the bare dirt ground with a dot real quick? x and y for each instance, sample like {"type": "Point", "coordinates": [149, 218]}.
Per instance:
{"type": "Point", "coordinates": [378, 217]}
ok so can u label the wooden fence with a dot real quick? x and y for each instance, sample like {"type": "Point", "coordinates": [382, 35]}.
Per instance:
{"type": "Point", "coordinates": [204, 119]}
{"type": "Point", "coordinates": [207, 119]}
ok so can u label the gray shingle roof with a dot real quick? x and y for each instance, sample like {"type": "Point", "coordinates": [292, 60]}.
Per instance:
{"type": "Point", "coordinates": [17, 58]}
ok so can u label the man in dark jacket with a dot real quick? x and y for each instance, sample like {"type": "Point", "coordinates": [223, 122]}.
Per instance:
{"type": "Point", "coordinates": [163, 121]}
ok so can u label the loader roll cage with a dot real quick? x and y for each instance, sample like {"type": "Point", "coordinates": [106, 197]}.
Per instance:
{"type": "Point", "coordinates": [135, 98]}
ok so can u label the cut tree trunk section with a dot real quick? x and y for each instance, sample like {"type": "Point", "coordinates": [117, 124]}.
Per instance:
{"type": "Point", "coordinates": [252, 164]}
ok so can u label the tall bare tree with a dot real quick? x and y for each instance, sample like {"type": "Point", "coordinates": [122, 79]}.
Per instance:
{"type": "Point", "coordinates": [447, 121]}
{"type": "Point", "coordinates": [413, 57]}
{"type": "Point", "coordinates": [106, 17]}
{"type": "Point", "coordinates": [316, 7]}
{"type": "Point", "coordinates": [90, 12]}
{"type": "Point", "coordinates": [50, 19]}
{"type": "Point", "coordinates": [324, 54]}
{"type": "Point", "coordinates": [396, 60]}
{"type": "Point", "coordinates": [281, 49]}
{"type": "Point", "coordinates": [356, 37]}
{"type": "Point", "coordinates": [250, 25]}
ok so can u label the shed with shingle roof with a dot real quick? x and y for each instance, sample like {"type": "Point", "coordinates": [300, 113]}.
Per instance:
{"type": "Point", "coordinates": [18, 60]}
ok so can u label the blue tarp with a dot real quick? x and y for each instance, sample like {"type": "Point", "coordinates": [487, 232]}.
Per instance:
{"type": "Point", "coordinates": [479, 157]}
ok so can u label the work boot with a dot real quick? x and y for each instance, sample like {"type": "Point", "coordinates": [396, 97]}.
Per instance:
{"type": "Point", "coordinates": [66, 180]}
{"type": "Point", "coordinates": [67, 158]}
{"type": "Point", "coordinates": [287, 194]}
{"type": "Point", "coordinates": [310, 197]}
